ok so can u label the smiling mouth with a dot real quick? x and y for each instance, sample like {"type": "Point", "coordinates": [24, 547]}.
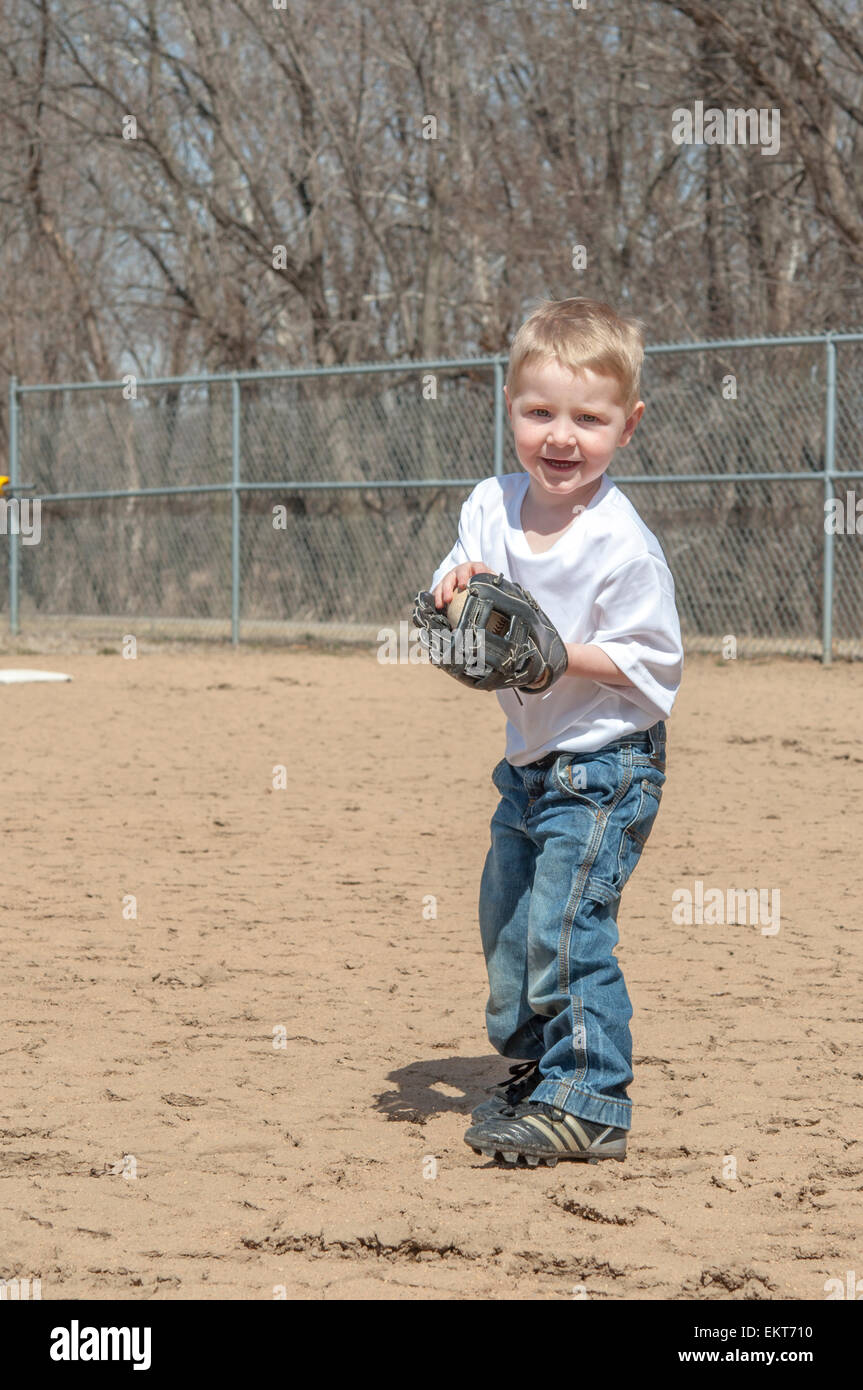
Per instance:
{"type": "Point", "coordinates": [562, 465]}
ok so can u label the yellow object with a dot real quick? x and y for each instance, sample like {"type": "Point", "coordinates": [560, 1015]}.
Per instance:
{"type": "Point", "coordinates": [3, 481]}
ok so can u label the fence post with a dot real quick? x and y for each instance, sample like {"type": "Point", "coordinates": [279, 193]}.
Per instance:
{"type": "Point", "coordinates": [235, 511]}
{"type": "Point", "coordinates": [829, 475]}
{"type": "Point", "coordinates": [12, 530]}
{"type": "Point", "coordinates": [499, 404]}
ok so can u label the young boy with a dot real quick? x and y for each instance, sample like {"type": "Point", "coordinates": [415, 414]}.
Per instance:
{"type": "Point", "coordinates": [582, 778]}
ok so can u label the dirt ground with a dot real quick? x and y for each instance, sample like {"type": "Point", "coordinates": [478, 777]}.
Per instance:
{"type": "Point", "coordinates": [333, 1166]}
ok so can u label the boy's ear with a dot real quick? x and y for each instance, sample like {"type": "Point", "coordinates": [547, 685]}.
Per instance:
{"type": "Point", "coordinates": [629, 428]}
{"type": "Point", "coordinates": [508, 400]}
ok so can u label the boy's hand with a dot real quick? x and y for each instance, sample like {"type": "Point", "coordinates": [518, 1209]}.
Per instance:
{"type": "Point", "coordinates": [500, 640]}
{"type": "Point", "coordinates": [459, 578]}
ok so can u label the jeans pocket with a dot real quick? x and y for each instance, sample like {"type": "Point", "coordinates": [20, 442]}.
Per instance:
{"type": "Point", "coordinates": [636, 833]}
{"type": "Point", "coordinates": [591, 780]}
{"type": "Point", "coordinates": [499, 771]}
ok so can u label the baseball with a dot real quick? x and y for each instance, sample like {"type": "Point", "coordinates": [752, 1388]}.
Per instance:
{"type": "Point", "coordinates": [454, 607]}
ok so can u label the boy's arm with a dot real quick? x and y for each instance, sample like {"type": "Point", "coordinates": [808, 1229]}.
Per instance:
{"type": "Point", "coordinates": [467, 548]}
{"type": "Point", "coordinates": [593, 664]}
{"type": "Point", "coordinates": [636, 639]}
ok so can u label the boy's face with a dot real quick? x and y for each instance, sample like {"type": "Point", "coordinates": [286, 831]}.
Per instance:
{"type": "Point", "coordinates": [566, 428]}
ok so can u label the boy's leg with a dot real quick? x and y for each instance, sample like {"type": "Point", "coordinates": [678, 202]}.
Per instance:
{"type": "Point", "coordinates": [514, 1029]}
{"type": "Point", "coordinates": [589, 827]}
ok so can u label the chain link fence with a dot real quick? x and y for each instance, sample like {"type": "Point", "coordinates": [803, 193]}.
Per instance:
{"type": "Point", "coordinates": [273, 505]}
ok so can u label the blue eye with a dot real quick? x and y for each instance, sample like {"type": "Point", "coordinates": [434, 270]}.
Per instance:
{"type": "Point", "coordinates": [541, 410]}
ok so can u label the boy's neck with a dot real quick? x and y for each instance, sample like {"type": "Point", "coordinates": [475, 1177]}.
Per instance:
{"type": "Point", "coordinates": [559, 509]}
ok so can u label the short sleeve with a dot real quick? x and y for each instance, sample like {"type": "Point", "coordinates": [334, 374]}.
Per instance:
{"type": "Point", "coordinates": [467, 547]}
{"type": "Point", "coordinates": [638, 627]}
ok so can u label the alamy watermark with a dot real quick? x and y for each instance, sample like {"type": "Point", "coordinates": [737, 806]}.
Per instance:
{"type": "Point", "coordinates": [20, 1290]}
{"type": "Point", "coordinates": [734, 126]}
{"type": "Point", "coordinates": [21, 516]}
{"type": "Point", "coordinates": [837, 1288]}
{"type": "Point", "coordinates": [700, 906]}
{"type": "Point", "coordinates": [415, 647]}
{"type": "Point", "coordinates": [77, 1343]}
{"type": "Point", "coordinates": [844, 515]}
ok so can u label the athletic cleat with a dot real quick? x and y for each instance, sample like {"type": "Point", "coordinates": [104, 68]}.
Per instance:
{"type": "Point", "coordinates": [536, 1132]}
{"type": "Point", "coordinates": [523, 1080]}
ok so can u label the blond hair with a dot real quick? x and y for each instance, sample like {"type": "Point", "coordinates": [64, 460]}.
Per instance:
{"type": "Point", "coordinates": [582, 333]}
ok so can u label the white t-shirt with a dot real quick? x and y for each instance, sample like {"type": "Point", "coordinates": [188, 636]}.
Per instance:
{"type": "Point", "coordinates": [604, 581]}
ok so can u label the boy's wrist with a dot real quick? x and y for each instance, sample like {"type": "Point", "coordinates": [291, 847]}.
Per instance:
{"type": "Point", "coordinates": [592, 663]}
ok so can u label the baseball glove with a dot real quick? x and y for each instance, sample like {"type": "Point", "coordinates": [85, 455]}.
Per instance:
{"type": "Point", "coordinates": [501, 639]}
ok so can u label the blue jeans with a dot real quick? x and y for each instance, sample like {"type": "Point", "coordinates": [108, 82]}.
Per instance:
{"type": "Point", "coordinates": [565, 838]}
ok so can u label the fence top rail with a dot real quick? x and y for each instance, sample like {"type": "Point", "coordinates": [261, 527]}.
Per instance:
{"type": "Point", "coordinates": [797, 341]}
{"type": "Point", "coordinates": [274, 374]}
{"type": "Point", "coordinates": [436, 364]}
{"type": "Point", "coordinates": [409, 484]}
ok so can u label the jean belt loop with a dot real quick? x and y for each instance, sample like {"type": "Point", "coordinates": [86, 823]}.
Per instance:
{"type": "Point", "coordinates": [657, 742]}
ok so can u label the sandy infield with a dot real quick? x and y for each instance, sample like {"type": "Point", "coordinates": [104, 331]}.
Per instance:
{"type": "Point", "coordinates": [334, 1165]}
